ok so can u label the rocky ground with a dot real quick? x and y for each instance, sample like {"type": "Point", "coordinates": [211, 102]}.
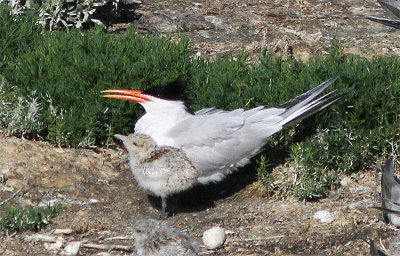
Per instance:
{"type": "Point", "coordinates": [301, 28]}
{"type": "Point", "coordinates": [101, 199]}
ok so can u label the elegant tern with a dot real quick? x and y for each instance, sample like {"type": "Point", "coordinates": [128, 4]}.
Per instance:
{"type": "Point", "coordinates": [216, 141]}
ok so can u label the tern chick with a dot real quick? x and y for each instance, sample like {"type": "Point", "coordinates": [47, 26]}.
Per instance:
{"type": "Point", "coordinates": [390, 192]}
{"type": "Point", "coordinates": [162, 170]}
{"type": "Point", "coordinates": [153, 238]}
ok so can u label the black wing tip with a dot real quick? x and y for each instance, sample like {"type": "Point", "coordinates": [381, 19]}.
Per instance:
{"type": "Point", "coordinates": [322, 104]}
{"type": "Point", "coordinates": [320, 88]}
{"type": "Point", "coordinates": [386, 22]}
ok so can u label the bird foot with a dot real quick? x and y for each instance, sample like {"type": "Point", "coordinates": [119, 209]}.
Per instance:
{"type": "Point", "coordinates": [163, 215]}
{"type": "Point", "coordinates": [163, 212]}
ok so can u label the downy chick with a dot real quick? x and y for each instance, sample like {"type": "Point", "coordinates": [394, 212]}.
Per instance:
{"type": "Point", "coordinates": [153, 238]}
{"type": "Point", "coordinates": [162, 170]}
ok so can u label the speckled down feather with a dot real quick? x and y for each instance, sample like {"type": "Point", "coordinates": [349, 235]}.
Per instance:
{"type": "Point", "coordinates": [153, 238]}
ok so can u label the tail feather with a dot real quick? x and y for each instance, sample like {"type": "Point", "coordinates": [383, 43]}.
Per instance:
{"type": "Point", "coordinates": [308, 103]}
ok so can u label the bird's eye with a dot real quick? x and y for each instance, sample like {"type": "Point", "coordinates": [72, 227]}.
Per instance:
{"type": "Point", "coordinates": [138, 231]}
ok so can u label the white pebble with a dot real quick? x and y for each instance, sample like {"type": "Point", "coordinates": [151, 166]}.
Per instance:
{"type": "Point", "coordinates": [214, 237]}
{"type": "Point", "coordinates": [324, 216]}
{"type": "Point", "coordinates": [72, 248]}
{"type": "Point", "coordinates": [55, 246]}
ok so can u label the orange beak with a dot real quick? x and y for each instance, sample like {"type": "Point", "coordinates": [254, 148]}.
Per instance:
{"type": "Point", "coordinates": [123, 94]}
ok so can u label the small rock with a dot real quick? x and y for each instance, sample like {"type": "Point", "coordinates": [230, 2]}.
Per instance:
{"type": "Point", "coordinates": [162, 22]}
{"type": "Point", "coordinates": [219, 24]}
{"type": "Point", "coordinates": [50, 203]}
{"type": "Point", "coordinates": [345, 181]}
{"type": "Point", "coordinates": [72, 248]}
{"type": "Point", "coordinates": [324, 216]}
{"type": "Point", "coordinates": [214, 237]}
{"type": "Point", "coordinates": [41, 238]}
{"type": "Point", "coordinates": [66, 231]}
{"type": "Point", "coordinates": [55, 246]}
{"type": "Point", "coordinates": [103, 254]}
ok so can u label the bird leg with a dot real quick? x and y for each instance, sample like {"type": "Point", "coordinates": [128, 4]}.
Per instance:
{"type": "Point", "coordinates": [163, 214]}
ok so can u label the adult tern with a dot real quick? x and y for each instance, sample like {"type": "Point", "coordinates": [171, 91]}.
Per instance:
{"type": "Point", "coordinates": [216, 141]}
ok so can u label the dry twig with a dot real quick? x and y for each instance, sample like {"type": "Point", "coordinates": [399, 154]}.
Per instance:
{"type": "Point", "coordinates": [11, 197]}
{"type": "Point", "coordinates": [115, 247]}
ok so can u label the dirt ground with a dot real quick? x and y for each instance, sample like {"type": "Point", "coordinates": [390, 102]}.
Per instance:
{"type": "Point", "coordinates": [300, 29]}
{"type": "Point", "coordinates": [101, 199]}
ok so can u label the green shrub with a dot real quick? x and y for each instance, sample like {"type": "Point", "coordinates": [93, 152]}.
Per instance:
{"type": "Point", "coordinates": [18, 34]}
{"type": "Point", "coordinates": [264, 175]}
{"type": "Point", "coordinates": [51, 85]}
{"type": "Point", "coordinates": [67, 71]}
{"type": "Point", "coordinates": [15, 219]}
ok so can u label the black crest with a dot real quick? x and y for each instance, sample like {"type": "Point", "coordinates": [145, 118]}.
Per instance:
{"type": "Point", "coordinates": [175, 90]}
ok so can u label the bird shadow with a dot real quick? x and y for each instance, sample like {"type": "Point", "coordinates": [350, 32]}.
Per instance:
{"type": "Point", "coordinates": [202, 197]}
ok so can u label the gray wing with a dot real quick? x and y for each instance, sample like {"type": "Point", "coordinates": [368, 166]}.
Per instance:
{"type": "Point", "coordinates": [393, 9]}
{"type": "Point", "coordinates": [218, 141]}
{"type": "Point", "coordinates": [221, 141]}
{"type": "Point", "coordinates": [389, 183]}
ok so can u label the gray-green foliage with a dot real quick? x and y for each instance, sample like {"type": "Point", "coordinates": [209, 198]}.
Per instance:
{"type": "Point", "coordinates": [265, 176]}
{"type": "Point", "coordinates": [22, 116]}
{"type": "Point", "coordinates": [59, 14]}
{"type": "Point", "coordinates": [69, 13]}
